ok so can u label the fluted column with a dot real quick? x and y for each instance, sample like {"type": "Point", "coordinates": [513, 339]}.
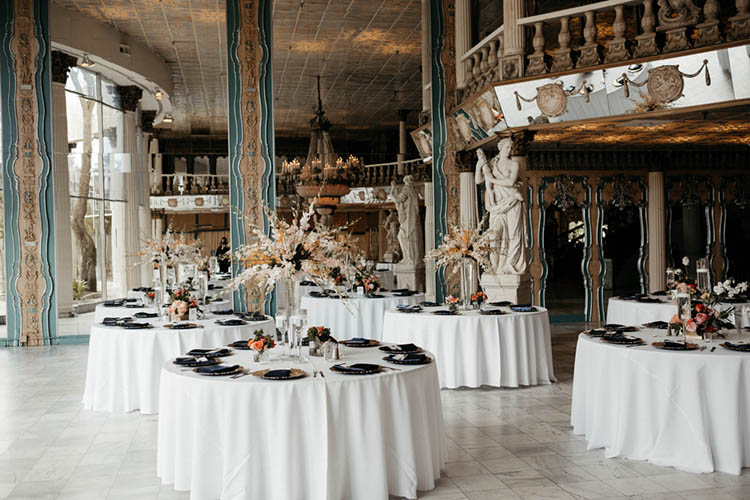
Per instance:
{"type": "Point", "coordinates": [429, 239]}
{"type": "Point", "coordinates": [463, 39]}
{"type": "Point", "coordinates": [469, 212]}
{"type": "Point", "coordinates": [514, 44]}
{"type": "Point", "coordinates": [61, 64]}
{"type": "Point", "coordinates": [426, 57]}
{"type": "Point", "coordinates": [657, 246]}
{"type": "Point", "coordinates": [156, 166]}
{"type": "Point", "coordinates": [144, 207]}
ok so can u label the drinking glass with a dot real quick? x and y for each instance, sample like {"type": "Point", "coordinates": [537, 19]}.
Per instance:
{"type": "Point", "coordinates": [703, 275]}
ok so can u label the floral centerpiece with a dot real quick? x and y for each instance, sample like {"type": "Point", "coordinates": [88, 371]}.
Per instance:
{"type": "Point", "coordinates": [260, 344]}
{"type": "Point", "coordinates": [180, 303]}
{"type": "Point", "coordinates": [726, 291]}
{"type": "Point", "coordinates": [463, 249]}
{"type": "Point", "coordinates": [478, 298]}
{"type": "Point", "coordinates": [452, 302]}
{"type": "Point", "coordinates": [317, 336]}
{"type": "Point", "coordinates": [705, 321]}
{"type": "Point", "coordinates": [366, 279]}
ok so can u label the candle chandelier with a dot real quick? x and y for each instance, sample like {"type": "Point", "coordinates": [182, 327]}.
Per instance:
{"type": "Point", "coordinates": [324, 175]}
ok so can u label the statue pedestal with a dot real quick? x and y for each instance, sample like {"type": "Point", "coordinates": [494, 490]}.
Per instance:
{"type": "Point", "coordinates": [410, 276]}
{"type": "Point", "coordinates": [515, 288]}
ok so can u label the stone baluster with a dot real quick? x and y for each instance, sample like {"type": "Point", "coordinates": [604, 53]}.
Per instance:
{"type": "Point", "coordinates": [537, 64]}
{"type": "Point", "coordinates": [476, 69]}
{"type": "Point", "coordinates": [616, 49]}
{"type": "Point", "coordinates": [562, 60]}
{"type": "Point", "coordinates": [646, 41]}
{"type": "Point", "coordinates": [709, 33]}
{"type": "Point", "coordinates": [739, 27]}
{"type": "Point", "coordinates": [499, 55]}
{"type": "Point", "coordinates": [590, 49]}
{"type": "Point", "coordinates": [492, 57]}
{"type": "Point", "coordinates": [484, 65]}
{"type": "Point", "coordinates": [469, 75]}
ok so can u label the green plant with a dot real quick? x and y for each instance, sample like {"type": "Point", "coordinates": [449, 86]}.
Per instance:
{"type": "Point", "coordinates": [79, 288]}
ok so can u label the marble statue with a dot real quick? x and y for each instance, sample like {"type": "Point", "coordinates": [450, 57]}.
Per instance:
{"type": "Point", "coordinates": [410, 238]}
{"type": "Point", "coordinates": [504, 202]}
{"type": "Point", "coordinates": [393, 249]}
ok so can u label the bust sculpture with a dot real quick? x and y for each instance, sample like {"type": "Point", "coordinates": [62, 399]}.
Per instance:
{"type": "Point", "coordinates": [504, 202]}
{"type": "Point", "coordinates": [406, 199]}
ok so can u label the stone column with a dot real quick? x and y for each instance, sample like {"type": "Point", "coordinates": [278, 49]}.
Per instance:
{"type": "Point", "coordinates": [61, 64]}
{"type": "Point", "coordinates": [28, 194]}
{"type": "Point", "coordinates": [251, 142]}
{"type": "Point", "coordinates": [469, 210]}
{"type": "Point", "coordinates": [463, 39]}
{"type": "Point", "coordinates": [657, 233]}
{"type": "Point", "coordinates": [144, 199]}
{"type": "Point", "coordinates": [156, 168]}
{"type": "Point", "coordinates": [514, 42]}
{"type": "Point", "coordinates": [429, 239]}
{"type": "Point", "coordinates": [402, 138]}
{"type": "Point", "coordinates": [426, 56]}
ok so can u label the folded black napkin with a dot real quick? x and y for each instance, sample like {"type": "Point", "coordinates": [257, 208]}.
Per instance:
{"type": "Point", "coordinates": [409, 309]}
{"type": "Point", "coordinates": [143, 315]}
{"type": "Point", "coordinates": [491, 312]}
{"type": "Point", "coordinates": [400, 290]}
{"type": "Point", "coordinates": [649, 300]}
{"type": "Point", "coordinates": [375, 296]}
{"type": "Point", "coordinates": [134, 325]}
{"type": "Point", "coordinates": [306, 283]}
{"type": "Point", "coordinates": [623, 329]}
{"type": "Point", "coordinates": [501, 303]}
{"type": "Point", "coordinates": [183, 326]}
{"type": "Point", "coordinates": [231, 322]}
{"type": "Point", "coordinates": [191, 361]}
{"type": "Point", "coordinates": [357, 340]}
{"type": "Point", "coordinates": [674, 345]}
{"type": "Point", "coordinates": [523, 308]}
{"type": "Point", "coordinates": [279, 373]}
{"type": "Point", "coordinates": [613, 326]}
{"type": "Point", "coordinates": [218, 287]}
{"type": "Point", "coordinates": [143, 289]}
{"type": "Point", "coordinates": [134, 306]}
{"type": "Point", "coordinates": [443, 312]}
{"type": "Point", "coordinates": [216, 369]}
{"type": "Point", "coordinates": [408, 347]}
{"type": "Point", "coordinates": [317, 294]}
{"type": "Point", "coordinates": [112, 321]}
{"type": "Point", "coordinates": [598, 331]}
{"type": "Point", "coordinates": [618, 337]}
{"type": "Point", "coordinates": [240, 343]}
{"type": "Point", "coordinates": [256, 316]}
{"type": "Point", "coordinates": [739, 346]}
{"type": "Point", "coordinates": [130, 299]}
{"type": "Point", "coordinates": [210, 353]}
{"type": "Point", "coordinates": [427, 303]}
{"type": "Point", "coordinates": [225, 312]}
{"type": "Point", "coordinates": [410, 357]}
{"type": "Point", "coordinates": [114, 303]}
{"type": "Point", "coordinates": [357, 367]}
{"type": "Point", "coordinates": [407, 293]}
{"type": "Point", "coordinates": [658, 324]}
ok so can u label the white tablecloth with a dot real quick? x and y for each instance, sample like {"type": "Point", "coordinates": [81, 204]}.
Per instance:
{"type": "Point", "coordinates": [342, 437]}
{"type": "Point", "coordinates": [387, 279]}
{"type": "Point", "coordinates": [123, 365]}
{"type": "Point", "coordinates": [101, 311]}
{"type": "Point", "coordinates": [684, 409]}
{"type": "Point", "coordinates": [632, 312]}
{"type": "Point", "coordinates": [358, 317]}
{"type": "Point", "coordinates": [474, 350]}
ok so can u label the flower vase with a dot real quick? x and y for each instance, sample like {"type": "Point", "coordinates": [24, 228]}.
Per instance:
{"type": "Point", "coordinates": [261, 356]}
{"type": "Point", "coordinates": [179, 317]}
{"type": "Point", "coordinates": [468, 280]}
{"type": "Point", "coordinates": [292, 291]}
{"type": "Point", "coordinates": [315, 348]}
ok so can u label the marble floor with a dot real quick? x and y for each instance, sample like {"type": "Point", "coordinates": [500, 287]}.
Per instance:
{"type": "Point", "coordinates": [503, 444]}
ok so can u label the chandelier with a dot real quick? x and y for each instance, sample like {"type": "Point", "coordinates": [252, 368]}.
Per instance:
{"type": "Point", "coordinates": [324, 174]}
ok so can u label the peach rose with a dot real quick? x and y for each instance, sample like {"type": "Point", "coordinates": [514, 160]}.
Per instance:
{"type": "Point", "coordinates": [675, 320]}
{"type": "Point", "coordinates": [257, 345]}
{"type": "Point", "coordinates": [701, 318]}
{"type": "Point", "coordinates": [691, 326]}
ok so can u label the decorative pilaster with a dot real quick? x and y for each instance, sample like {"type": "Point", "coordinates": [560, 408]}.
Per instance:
{"type": "Point", "coordinates": [429, 239]}
{"type": "Point", "coordinates": [514, 40]}
{"type": "Point", "coordinates": [463, 39]}
{"type": "Point", "coordinates": [657, 243]}
{"type": "Point", "coordinates": [61, 64]}
{"type": "Point", "coordinates": [27, 174]}
{"type": "Point", "coordinates": [426, 57]}
{"type": "Point", "coordinates": [251, 148]}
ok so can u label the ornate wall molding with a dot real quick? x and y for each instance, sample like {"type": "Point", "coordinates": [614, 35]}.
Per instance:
{"type": "Point", "coordinates": [27, 158]}
{"type": "Point", "coordinates": [251, 143]}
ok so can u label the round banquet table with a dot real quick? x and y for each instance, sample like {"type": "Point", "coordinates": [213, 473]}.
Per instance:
{"type": "Point", "coordinates": [358, 317]}
{"type": "Point", "coordinates": [101, 311]}
{"type": "Point", "coordinates": [337, 437]}
{"type": "Point", "coordinates": [123, 367]}
{"type": "Point", "coordinates": [473, 350]}
{"type": "Point", "coordinates": [632, 312]}
{"type": "Point", "coordinates": [685, 409]}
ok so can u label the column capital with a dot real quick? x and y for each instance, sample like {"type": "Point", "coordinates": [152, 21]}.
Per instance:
{"type": "Point", "coordinates": [466, 161]}
{"type": "Point", "coordinates": [147, 120]}
{"type": "Point", "coordinates": [129, 96]}
{"type": "Point", "coordinates": [61, 64]}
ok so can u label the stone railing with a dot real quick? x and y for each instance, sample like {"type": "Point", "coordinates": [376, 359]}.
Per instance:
{"type": "Point", "coordinates": [482, 61]}
{"type": "Point", "coordinates": [179, 184]}
{"type": "Point", "coordinates": [379, 174]}
{"type": "Point", "coordinates": [670, 26]}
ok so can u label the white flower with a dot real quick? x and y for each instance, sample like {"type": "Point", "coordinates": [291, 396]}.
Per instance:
{"type": "Point", "coordinates": [727, 284]}
{"type": "Point", "coordinates": [742, 287]}
{"type": "Point", "coordinates": [718, 289]}
{"type": "Point", "coordinates": [685, 261]}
